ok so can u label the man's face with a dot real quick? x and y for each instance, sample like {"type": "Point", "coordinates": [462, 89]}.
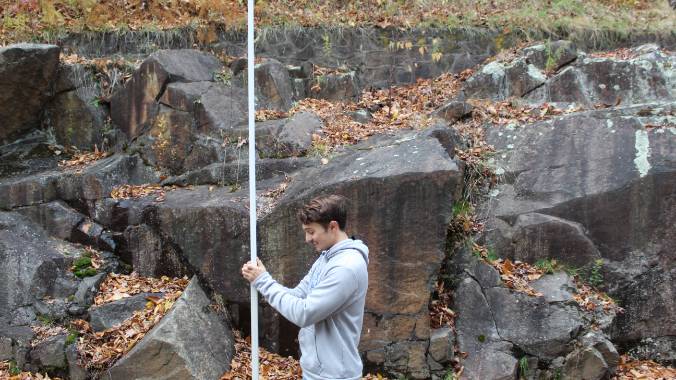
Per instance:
{"type": "Point", "coordinates": [319, 237]}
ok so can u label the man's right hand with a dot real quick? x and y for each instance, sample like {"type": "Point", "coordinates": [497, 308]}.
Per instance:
{"type": "Point", "coordinates": [252, 270]}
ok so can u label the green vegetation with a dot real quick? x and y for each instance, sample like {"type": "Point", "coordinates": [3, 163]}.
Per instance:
{"type": "Point", "coordinates": [224, 76]}
{"type": "Point", "coordinates": [548, 265]}
{"type": "Point", "coordinates": [523, 367]}
{"type": "Point", "coordinates": [595, 275]}
{"type": "Point", "coordinates": [82, 267]}
{"type": "Point", "coordinates": [72, 337]}
{"type": "Point", "coordinates": [552, 57]}
{"type": "Point", "coordinates": [14, 370]}
{"type": "Point", "coordinates": [46, 320]}
{"type": "Point", "coordinates": [319, 149]}
{"type": "Point", "coordinates": [491, 255]}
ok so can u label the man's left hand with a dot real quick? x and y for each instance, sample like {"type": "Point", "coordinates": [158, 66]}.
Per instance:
{"type": "Point", "coordinates": [252, 270]}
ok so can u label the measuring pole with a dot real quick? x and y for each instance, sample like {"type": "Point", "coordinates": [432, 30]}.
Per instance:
{"type": "Point", "coordinates": [252, 183]}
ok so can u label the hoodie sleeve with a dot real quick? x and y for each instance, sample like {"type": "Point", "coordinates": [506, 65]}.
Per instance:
{"type": "Point", "coordinates": [300, 290]}
{"type": "Point", "coordinates": [328, 296]}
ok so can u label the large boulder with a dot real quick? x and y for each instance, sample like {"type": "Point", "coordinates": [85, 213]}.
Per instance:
{"type": "Point", "coordinates": [287, 137]}
{"type": "Point", "coordinates": [32, 153]}
{"type": "Point", "coordinates": [192, 341]}
{"type": "Point", "coordinates": [551, 56]}
{"type": "Point", "coordinates": [494, 324]}
{"type": "Point", "coordinates": [499, 80]}
{"type": "Point", "coordinates": [75, 114]}
{"type": "Point", "coordinates": [27, 72]}
{"type": "Point", "coordinates": [335, 87]}
{"type": "Point", "coordinates": [408, 181]}
{"type": "Point", "coordinates": [32, 266]}
{"type": "Point", "coordinates": [594, 188]}
{"type": "Point", "coordinates": [50, 353]}
{"type": "Point", "coordinates": [412, 171]}
{"type": "Point", "coordinates": [134, 106]}
{"type": "Point", "coordinates": [274, 87]}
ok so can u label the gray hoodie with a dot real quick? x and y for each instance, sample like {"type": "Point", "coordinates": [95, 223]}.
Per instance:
{"type": "Point", "coordinates": [328, 306]}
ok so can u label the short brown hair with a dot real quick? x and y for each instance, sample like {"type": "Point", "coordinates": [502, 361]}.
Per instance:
{"type": "Point", "coordinates": [323, 210]}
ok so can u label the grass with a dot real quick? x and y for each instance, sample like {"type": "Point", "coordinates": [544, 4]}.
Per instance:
{"type": "Point", "coordinates": [45, 319]}
{"type": "Point", "coordinates": [72, 337]}
{"type": "Point", "coordinates": [523, 367]}
{"type": "Point", "coordinates": [549, 266]}
{"type": "Point", "coordinates": [595, 275]}
{"type": "Point", "coordinates": [47, 19]}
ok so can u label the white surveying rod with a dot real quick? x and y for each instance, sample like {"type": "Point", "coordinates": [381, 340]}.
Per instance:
{"type": "Point", "coordinates": [252, 183]}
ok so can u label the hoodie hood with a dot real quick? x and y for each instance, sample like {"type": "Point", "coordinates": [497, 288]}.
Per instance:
{"type": "Point", "coordinates": [357, 245]}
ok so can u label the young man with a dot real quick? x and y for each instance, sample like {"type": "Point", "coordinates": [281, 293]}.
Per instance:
{"type": "Point", "coordinates": [328, 304]}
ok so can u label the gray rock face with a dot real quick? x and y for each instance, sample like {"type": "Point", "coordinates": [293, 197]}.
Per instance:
{"type": "Point", "coordinates": [288, 137]}
{"type": "Point", "coordinates": [273, 85]}
{"type": "Point", "coordinates": [590, 81]}
{"type": "Point", "coordinates": [441, 345]}
{"type": "Point", "coordinates": [57, 218]}
{"type": "Point", "coordinates": [661, 350]}
{"type": "Point", "coordinates": [31, 265]}
{"type": "Point", "coordinates": [75, 371]}
{"type": "Point", "coordinates": [604, 347]}
{"type": "Point", "coordinates": [412, 171]}
{"type": "Point", "coordinates": [557, 287]}
{"type": "Point", "coordinates": [535, 327]}
{"type": "Point", "coordinates": [16, 342]}
{"type": "Point", "coordinates": [50, 353]}
{"type": "Point", "coordinates": [586, 81]}
{"type": "Point", "coordinates": [584, 171]}
{"type": "Point", "coordinates": [494, 322]}
{"type": "Point", "coordinates": [94, 182]}
{"type": "Point", "coordinates": [75, 114]}
{"type": "Point", "coordinates": [236, 172]}
{"type": "Point", "coordinates": [87, 289]}
{"type": "Point", "coordinates": [499, 81]}
{"type": "Point", "coordinates": [551, 56]}
{"type": "Point", "coordinates": [379, 173]}
{"type": "Point", "coordinates": [586, 364]}
{"type": "Point", "coordinates": [196, 124]}
{"type": "Point", "coordinates": [134, 106]}
{"type": "Point", "coordinates": [108, 315]}
{"type": "Point", "coordinates": [335, 87]}
{"type": "Point", "coordinates": [537, 236]}
{"type": "Point", "coordinates": [190, 342]}
{"type": "Point", "coordinates": [23, 64]}
{"type": "Point", "coordinates": [454, 110]}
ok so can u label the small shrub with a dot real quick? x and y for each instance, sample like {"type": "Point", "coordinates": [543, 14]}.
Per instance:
{"type": "Point", "coordinates": [547, 265]}
{"type": "Point", "coordinates": [14, 370]}
{"type": "Point", "coordinates": [595, 275]}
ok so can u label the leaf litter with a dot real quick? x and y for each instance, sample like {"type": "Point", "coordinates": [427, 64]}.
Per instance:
{"type": "Point", "coordinates": [97, 351]}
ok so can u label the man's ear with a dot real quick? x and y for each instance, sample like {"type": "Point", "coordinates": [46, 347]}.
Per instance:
{"type": "Point", "coordinates": [333, 224]}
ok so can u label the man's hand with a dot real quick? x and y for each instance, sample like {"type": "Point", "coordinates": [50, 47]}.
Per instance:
{"type": "Point", "coordinates": [252, 270]}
